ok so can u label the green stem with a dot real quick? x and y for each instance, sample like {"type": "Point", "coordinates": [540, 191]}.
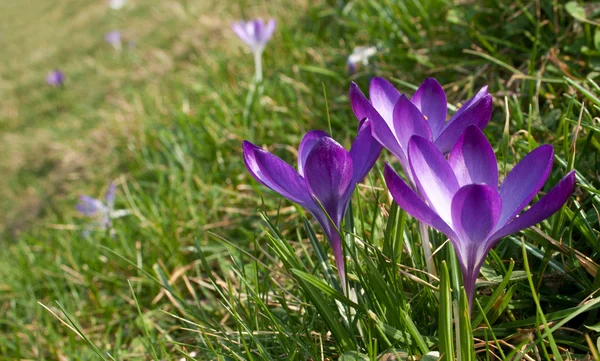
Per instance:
{"type": "Point", "coordinates": [258, 66]}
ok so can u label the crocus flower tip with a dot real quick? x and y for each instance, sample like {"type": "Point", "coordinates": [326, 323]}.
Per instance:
{"type": "Point", "coordinates": [428, 116]}
{"type": "Point", "coordinates": [255, 33]}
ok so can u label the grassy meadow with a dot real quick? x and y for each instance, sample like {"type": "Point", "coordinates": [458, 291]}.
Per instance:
{"type": "Point", "coordinates": [211, 265]}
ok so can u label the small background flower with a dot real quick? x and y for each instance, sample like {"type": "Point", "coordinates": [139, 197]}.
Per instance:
{"type": "Point", "coordinates": [101, 212]}
{"type": "Point", "coordinates": [360, 56]}
{"type": "Point", "coordinates": [55, 78]}
{"type": "Point", "coordinates": [255, 33]}
{"type": "Point", "coordinates": [113, 38]}
{"type": "Point", "coordinates": [117, 4]}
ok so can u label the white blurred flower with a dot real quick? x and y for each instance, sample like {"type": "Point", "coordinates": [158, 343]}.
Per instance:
{"type": "Point", "coordinates": [360, 55]}
{"type": "Point", "coordinates": [117, 4]}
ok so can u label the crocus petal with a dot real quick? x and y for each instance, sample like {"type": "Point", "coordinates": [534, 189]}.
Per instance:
{"type": "Point", "coordinates": [364, 151]}
{"type": "Point", "coordinates": [475, 212]}
{"type": "Point", "coordinates": [524, 181]}
{"type": "Point", "coordinates": [253, 28]}
{"type": "Point", "coordinates": [89, 206]}
{"type": "Point", "coordinates": [474, 99]}
{"type": "Point", "coordinates": [409, 121]}
{"type": "Point", "coordinates": [306, 145]}
{"type": "Point", "coordinates": [409, 201]}
{"type": "Point", "coordinates": [276, 174]}
{"type": "Point", "coordinates": [380, 129]}
{"type": "Point", "coordinates": [478, 113]}
{"type": "Point", "coordinates": [430, 99]}
{"type": "Point", "coordinates": [543, 209]}
{"type": "Point", "coordinates": [268, 30]}
{"type": "Point", "coordinates": [384, 96]}
{"type": "Point", "coordinates": [329, 176]}
{"type": "Point", "coordinates": [239, 28]}
{"type": "Point", "coordinates": [110, 195]}
{"type": "Point", "coordinates": [433, 175]}
{"type": "Point", "coordinates": [360, 104]}
{"type": "Point", "coordinates": [473, 160]}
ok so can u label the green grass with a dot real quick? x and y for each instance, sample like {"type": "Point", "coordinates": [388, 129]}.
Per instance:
{"type": "Point", "coordinates": [212, 264]}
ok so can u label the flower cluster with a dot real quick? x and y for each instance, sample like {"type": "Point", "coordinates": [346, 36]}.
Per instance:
{"type": "Point", "coordinates": [451, 169]}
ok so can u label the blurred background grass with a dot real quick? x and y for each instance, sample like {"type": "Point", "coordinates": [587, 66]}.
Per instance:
{"type": "Point", "coordinates": [165, 118]}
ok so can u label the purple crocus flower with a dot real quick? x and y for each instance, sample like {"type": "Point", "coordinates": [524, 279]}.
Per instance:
{"type": "Point", "coordinates": [326, 173]}
{"type": "Point", "coordinates": [395, 118]}
{"type": "Point", "coordinates": [55, 78]}
{"type": "Point", "coordinates": [101, 211]}
{"type": "Point", "coordinates": [113, 38]}
{"type": "Point", "coordinates": [461, 197]}
{"type": "Point", "coordinates": [255, 33]}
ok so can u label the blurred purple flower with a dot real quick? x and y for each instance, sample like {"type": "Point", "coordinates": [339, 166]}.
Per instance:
{"type": "Point", "coordinates": [326, 172]}
{"type": "Point", "coordinates": [395, 118]}
{"type": "Point", "coordinates": [113, 38]}
{"type": "Point", "coordinates": [461, 197]}
{"type": "Point", "coordinates": [55, 78]}
{"type": "Point", "coordinates": [102, 212]}
{"type": "Point", "coordinates": [256, 34]}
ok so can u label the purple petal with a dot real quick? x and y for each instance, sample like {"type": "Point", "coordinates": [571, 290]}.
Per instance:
{"type": "Point", "coordinates": [89, 206]}
{"type": "Point", "coordinates": [268, 30]}
{"type": "Point", "coordinates": [306, 145]}
{"type": "Point", "coordinates": [433, 175]}
{"type": "Point", "coordinates": [253, 28]}
{"type": "Point", "coordinates": [55, 78]}
{"type": "Point", "coordinates": [384, 96]}
{"type": "Point", "coordinates": [430, 99]}
{"type": "Point", "coordinates": [360, 104]}
{"type": "Point", "coordinates": [409, 121]}
{"type": "Point", "coordinates": [276, 174]}
{"type": "Point", "coordinates": [543, 209]}
{"type": "Point", "coordinates": [473, 160]}
{"type": "Point", "coordinates": [475, 212]}
{"type": "Point", "coordinates": [474, 99]}
{"type": "Point", "coordinates": [380, 129]}
{"type": "Point", "coordinates": [110, 195]}
{"type": "Point", "coordinates": [364, 151]}
{"type": "Point", "coordinates": [240, 29]}
{"type": "Point", "coordinates": [478, 113]}
{"type": "Point", "coordinates": [524, 181]}
{"type": "Point", "coordinates": [408, 200]}
{"type": "Point", "coordinates": [328, 174]}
